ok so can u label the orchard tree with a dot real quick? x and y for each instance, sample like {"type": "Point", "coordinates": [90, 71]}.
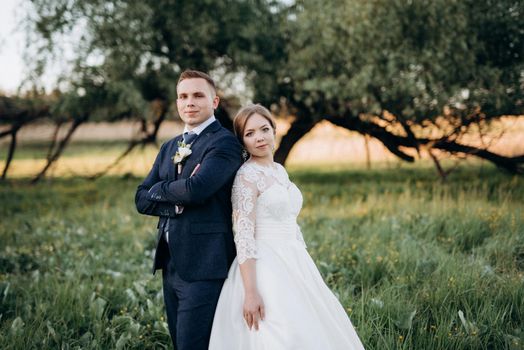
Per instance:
{"type": "Point", "coordinates": [394, 69]}
{"type": "Point", "coordinates": [17, 112]}
{"type": "Point", "coordinates": [127, 55]}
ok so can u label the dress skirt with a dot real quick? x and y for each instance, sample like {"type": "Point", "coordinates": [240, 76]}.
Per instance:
{"type": "Point", "coordinates": [301, 311]}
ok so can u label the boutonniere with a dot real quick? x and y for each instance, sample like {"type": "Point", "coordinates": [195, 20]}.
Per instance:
{"type": "Point", "coordinates": [181, 154]}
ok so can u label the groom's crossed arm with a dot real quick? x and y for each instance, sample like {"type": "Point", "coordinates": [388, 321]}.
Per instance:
{"type": "Point", "coordinates": [142, 202]}
{"type": "Point", "coordinates": [217, 168]}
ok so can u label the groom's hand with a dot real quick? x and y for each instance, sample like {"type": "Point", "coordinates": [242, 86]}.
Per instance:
{"type": "Point", "coordinates": [253, 309]}
{"type": "Point", "coordinates": [153, 193]}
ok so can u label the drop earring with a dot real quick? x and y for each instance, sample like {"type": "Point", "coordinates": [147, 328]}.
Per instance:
{"type": "Point", "coordinates": [245, 154]}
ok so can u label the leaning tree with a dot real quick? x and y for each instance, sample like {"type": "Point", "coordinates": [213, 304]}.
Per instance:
{"type": "Point", "coordinates": [394, 69]}
{"type": "Point", "coordinates": [126, 56]}
{"type": "Point", "coordinates": [17, 112]}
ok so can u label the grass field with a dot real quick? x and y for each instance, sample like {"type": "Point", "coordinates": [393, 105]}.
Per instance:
{"type": "Point", "coordinates": [418, 264]}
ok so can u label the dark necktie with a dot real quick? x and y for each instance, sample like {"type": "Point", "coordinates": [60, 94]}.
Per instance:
{"type": "Point", "coordinates": [189, 137]}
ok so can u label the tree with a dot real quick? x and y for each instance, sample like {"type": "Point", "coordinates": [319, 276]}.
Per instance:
{"type": "Point", "coordinates": [15, 113]}
{"type": "Point", "coordinates": [392, 69]}
{"type": "Point", "coordinates": [130, 53]}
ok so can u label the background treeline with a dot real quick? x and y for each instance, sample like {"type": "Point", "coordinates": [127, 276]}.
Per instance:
{"type": "Point", "coordinates": [416, 75]}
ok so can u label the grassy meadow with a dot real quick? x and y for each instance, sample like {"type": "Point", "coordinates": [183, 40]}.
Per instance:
{"type": "Point", "coordinates": [417, 263]}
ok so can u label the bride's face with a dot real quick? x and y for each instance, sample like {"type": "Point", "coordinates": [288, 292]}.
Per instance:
{"type": "Point", "coordinates": [259, 137]}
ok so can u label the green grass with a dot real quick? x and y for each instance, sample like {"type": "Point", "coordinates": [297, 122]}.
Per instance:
{"type": "Point", "coordinates": [417, 263]}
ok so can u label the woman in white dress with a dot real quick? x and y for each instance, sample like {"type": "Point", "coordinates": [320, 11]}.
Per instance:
{"type": "Point", "coordinates": [274, 296]}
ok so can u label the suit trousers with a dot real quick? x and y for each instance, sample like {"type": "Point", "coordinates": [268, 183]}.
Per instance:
{"type": "Point", "coordinates": [190, 308]}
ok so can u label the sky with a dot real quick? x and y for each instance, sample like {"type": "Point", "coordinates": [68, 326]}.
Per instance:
{"type": "Point", "coordinates": [11, 46]}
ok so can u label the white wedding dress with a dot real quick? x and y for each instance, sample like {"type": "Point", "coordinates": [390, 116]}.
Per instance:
{"type": "Point", "coordinates": [301, 312]}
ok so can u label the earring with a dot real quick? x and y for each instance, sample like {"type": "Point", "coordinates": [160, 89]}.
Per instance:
{"type": "Point", "coordinates": [245, 154]}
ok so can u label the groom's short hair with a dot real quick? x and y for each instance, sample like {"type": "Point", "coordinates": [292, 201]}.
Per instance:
{"type": "Point", "coordinates": [192, 74]}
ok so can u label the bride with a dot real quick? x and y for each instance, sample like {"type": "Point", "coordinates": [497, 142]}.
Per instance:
{"type": "Point", "coordinates": [274, 296]}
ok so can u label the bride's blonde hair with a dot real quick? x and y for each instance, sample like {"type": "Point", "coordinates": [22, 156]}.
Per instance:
{"type": "Point", "coordinates": [240, 120]}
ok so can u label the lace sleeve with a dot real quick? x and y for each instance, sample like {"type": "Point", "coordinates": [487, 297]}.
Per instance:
{"type": "Point", "coordinates": [244, 196]}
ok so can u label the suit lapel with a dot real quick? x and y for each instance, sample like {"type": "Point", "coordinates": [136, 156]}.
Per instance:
{"type": "Point", "coordinates": [210, 129]}
{"type": "Point", "coordinates": [196, 146]}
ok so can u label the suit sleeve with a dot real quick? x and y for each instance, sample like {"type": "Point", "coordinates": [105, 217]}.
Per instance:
{"type": "Point", "coordinates": [217, 168]}
{"type": "Point", "coordinates": [143, 204]}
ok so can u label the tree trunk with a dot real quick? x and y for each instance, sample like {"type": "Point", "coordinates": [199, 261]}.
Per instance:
{"type": "Point", "coordinates": [368, 152]}
{"type": "Point", "coordinates": [18, 118]}
{"type": "Point", "coordinates": [61, 146]}
{"type": "Point", "coordinates": [147, 138]}
{"type": "Point", "coordinates": [128, 150]}
{"type": "Point", "coordinates": [11, 152]}
{"type": "Point", "coordinates": [442, 173]}
{"type": "Point", "coordinates": [298, 129]}
{"type": "Point", "coordinates": [53, 141]}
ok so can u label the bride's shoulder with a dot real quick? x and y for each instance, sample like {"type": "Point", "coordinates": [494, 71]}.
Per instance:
{"type": "Point", "coordinates": [248, 172]}
{"type": "Point", "coordinates": [247, 167]}
{"type": "Point", "coordinates": [281, 170]}
{"type": "Point", "coordinates": [280, 167]}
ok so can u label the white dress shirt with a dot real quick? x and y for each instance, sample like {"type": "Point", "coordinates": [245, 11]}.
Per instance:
{"type": "Point", "coordinates": [198, 129]}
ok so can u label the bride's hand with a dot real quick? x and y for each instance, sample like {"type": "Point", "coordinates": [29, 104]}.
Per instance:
{"type": "Point", "coordinates": [253, 309]}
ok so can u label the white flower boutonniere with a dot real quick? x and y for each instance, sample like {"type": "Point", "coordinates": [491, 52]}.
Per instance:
{"type": "Point", "coordinates": [181, 154]}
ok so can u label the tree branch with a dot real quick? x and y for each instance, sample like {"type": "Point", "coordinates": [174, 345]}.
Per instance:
{"type": "Point", "coordinates": [11, 152]}
{"type": "Point", "coordinates": [61, 146]}
{"type": "Point", "coordinates": [368, 128]}
{"type": "Point", "coordinates": [393, 142]}
{"type": "Point", "coordinates": [144, 140]}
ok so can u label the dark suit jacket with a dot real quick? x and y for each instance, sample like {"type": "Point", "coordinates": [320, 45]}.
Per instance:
{"type": "Point", "coordinates": [200, 238]}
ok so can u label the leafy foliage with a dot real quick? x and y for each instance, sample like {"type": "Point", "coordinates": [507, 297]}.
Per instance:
{"type": "Point", "coordinates": [410, 58]}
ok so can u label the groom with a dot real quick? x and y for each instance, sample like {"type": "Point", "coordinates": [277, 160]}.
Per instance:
{"type": "Point", "coordinates": [189, 189]}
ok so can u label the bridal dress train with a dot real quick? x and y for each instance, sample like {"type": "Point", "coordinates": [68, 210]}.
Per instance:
{"type": "Point", "coordinates": [301, 311]}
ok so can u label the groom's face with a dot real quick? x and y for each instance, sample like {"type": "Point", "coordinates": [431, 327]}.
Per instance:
{"type": "Point", "coordinates": [196, 101]}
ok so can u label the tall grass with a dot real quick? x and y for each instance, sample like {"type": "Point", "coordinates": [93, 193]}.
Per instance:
{"type": "Point", "coordinates": [418, 264]}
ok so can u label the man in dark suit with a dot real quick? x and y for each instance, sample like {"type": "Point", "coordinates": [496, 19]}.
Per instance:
{"type": "Point", "coordinates": [189, 189]}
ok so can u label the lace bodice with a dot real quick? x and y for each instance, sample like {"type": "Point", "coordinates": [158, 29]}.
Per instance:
{"type": "Point", "coordinates": [265, 204]}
